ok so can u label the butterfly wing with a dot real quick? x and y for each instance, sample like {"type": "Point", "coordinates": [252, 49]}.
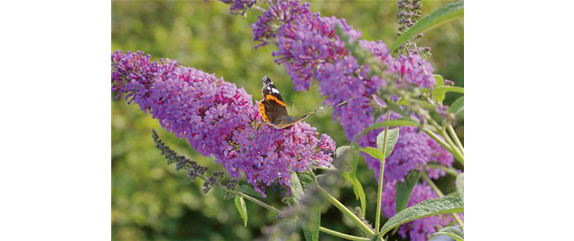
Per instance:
{"type": "Point", "coordinates": [272, 107]}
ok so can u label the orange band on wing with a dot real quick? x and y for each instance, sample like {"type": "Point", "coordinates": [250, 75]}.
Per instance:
{"type": "Point", "coordinates": [271, 97]}
{"type": "Point", "coordinates": [262, 111]}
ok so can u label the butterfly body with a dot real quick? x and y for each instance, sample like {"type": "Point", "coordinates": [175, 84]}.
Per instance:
{"type": "Point", "coordinates": [272, 107]}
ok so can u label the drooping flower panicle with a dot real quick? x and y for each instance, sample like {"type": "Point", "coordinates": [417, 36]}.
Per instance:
{"type": "Point", "coordinates": [218, 119]}
{"type": "Point", "coordinates": [310, 50]}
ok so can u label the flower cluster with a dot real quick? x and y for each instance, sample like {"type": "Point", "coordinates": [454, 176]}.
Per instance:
{"type": "Point", "coordinates": [278, 14]}
{"type": "Point", "coordinates": [218, 119]}
{"type": "Point", "coordinates": [420, 229]}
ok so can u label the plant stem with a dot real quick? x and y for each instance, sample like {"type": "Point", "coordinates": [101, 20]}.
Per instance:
{"type": "Point", "coordinates": [259, 8]}
{"type": "Point", "coordinates": [260, 203]}
{"type": "Point", "coordinates": [346, 212]}
{"type": "Point", "coordinates": [440, 194]}
{"type": "Point", "coordinates": [381, 173]}
{"type": "Point", "coordinates": [450, 142]}
{"type": "Point", "coordinates": [455, 137]}
{"type": "Point", "coordinates": [342, 235]}
{"type": "Point", "coordinates": [250, 198]}
{"type": "Point", "coordinates": [456, 154]}
{"type": "Point", "coordinates": [448, 170]}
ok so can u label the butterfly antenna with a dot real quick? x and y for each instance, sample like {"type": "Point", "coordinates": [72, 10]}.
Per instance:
{"type": "Point", "coordinates": [323, 107]}
{"type": "Point", "coordinates": [341, 104]}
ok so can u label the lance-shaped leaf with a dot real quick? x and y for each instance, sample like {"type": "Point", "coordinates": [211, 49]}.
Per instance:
{"type": "Point", "coordinates": [340, 150]}
{"type": "Point", "coordinates": [299, 182]}
{"type": "Point", "coordinates": [392, 137]}
{"type": "Point", "coordinates": [311, 229]}
{"type": "Point", "coordinates": [436, 94]}
{"type": "Point", "coordinates": [457, 106]}
{"type": "Point", "coordinates": [240, 204]}
{"type": "Point", "coordinates": [426, 208]}
{"type": "Point", "coordinates": [374, 152]}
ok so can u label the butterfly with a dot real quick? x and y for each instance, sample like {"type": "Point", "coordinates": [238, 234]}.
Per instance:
{"type": "Point", "coordinates": [272, 107]}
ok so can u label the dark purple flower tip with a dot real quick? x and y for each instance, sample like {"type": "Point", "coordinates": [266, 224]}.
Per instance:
{"type": "Point", "coordinates": [239, 7]}
{"type": "Point", "coordinates": [448, 82]}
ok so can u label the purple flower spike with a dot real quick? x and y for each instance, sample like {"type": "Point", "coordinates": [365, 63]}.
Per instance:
{"type": "Point", "coordinates": [218, 119]}
{"type": "Point", "coordinates": [308, 43]}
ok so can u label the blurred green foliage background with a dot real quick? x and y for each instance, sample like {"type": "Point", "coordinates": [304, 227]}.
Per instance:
{"type": "Point", "coordinates": [150, 201]}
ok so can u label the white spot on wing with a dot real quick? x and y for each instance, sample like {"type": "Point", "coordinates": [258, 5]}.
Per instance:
{"type": "Point", "coordinates": [275, 91]}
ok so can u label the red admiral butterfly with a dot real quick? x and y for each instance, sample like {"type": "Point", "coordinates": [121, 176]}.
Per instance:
{"type": "Point", "coordinates": [272, 107]}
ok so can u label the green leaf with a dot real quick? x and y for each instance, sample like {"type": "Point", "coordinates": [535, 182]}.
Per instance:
{"type": "Point", "coordinates": [340, 150]}
{"type": "Point", "coordinates": [439, 79]}
{"type": "Point", "coordinates": [392, 138]}
{"type": "Point", "coordinates": [362, 196]}
{"type": "Point", "coordinates": [311, 227]}
{"type": "Point", "coordinates": [351, 176]}
{"type": "Point", "coordinates": [299, 182]}
{"type": "Point", "coordinates": [397, 122]}
{"type": "Point", "coordinates": [442, 15]}
{"type": "Point", "coordinates": [296, 188]}
{"type": "Point", "coordinates": [249, 190]}
{"type": "Point", "coordinates": [460, 185]}
{"type": "Point", "coordinates": [307, 178]}
{"type": "Point", "coordinates": [354, 163]}
{"type": "Point", "coordinates": [447, 88]}
{"type": "Point", "coordinates": [438, 94]}
{"type": "Point", "coordinates": [240, 204]}
{"type": "Point", "coordinates": [457, 106]}
{"type": "Point", "coordinates": [452, 232]}
{"type": "Point", "coordinates": [424, 209]}
{"type": "Point", "coordinates": [374, 152]}
{"type": "Point", "coordinates": [347, 176]}
{"type": "Point", "coordinates": [358, 190]}
{"type": "Point", "coordinates": [439, 91]}
{"type": "Point", "coordinates": [404, 189]}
